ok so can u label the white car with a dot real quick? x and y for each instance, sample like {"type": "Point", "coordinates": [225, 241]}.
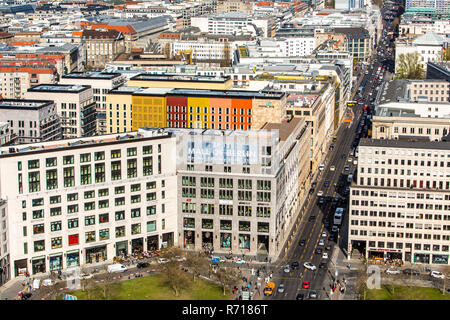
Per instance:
{"type": "Point", "coordinates": [179, 259]}
{"type": "Point", "coordinates": [280, 288]}
{"type": "Point", "coordinates": [324, 234]}
{"type": "Point", "coordinates": [322, 166]}
{"type": "Point", "coordinates": [350, 160]}
{"type": "Point", "coordinates": [325, 255]}
{"type": "Point", "coordinates": [287, 269]}
{"type": "Point", "coordinates": [309, 265]}
{"type": "Point", "coordinates": [320, 193]}
{"type": "Point", "coordinates": [392, 271]}
{"type": "Point", "coordinates": [86, 276]}
{"type": "Point", "coordinates": [321, 242]}
{"type": "Point", "coordinates": [332, 168]}
{"type": "Point", "coordinates": [162, 260]}
{"type": "Point", "coordinates": [437, 274]}
{"type": "Point", "coordinates": [239, 261]}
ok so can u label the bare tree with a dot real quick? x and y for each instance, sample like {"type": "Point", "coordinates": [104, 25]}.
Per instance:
{"type": "Point", "coordinates": [197, 263]}
{"type": "Point", "coordinates": [227, 278]}
{"type": "Point", "coordinates": [361, 280]}
{"type": "Point", "coordinates": [171, 272]}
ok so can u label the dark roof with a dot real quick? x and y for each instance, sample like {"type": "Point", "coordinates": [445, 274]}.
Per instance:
{"type": "Point", "coordinates": [353, 33]}
{"type": "Point", "coordinates": [96, 34]}
{"type": "Point", "coordinates": [440, 145]}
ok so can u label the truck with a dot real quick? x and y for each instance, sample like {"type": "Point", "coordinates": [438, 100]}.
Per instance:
{"type": "Point", "coordinates": [268, 290]}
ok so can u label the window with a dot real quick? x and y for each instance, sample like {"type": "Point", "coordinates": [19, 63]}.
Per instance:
{"type": "Point", "coordinates": [103, 192]}
{"type": "Point", "coordinates": [120, 215]}
{"type": "Point", "coordinates": [72, 197]}
{"type": "Point", "coordinates": [116, 170]}
{"type": "Point", "coordinates": [38, 214]}
{"type": "Point", "coordinates": [120, 232]}
{"type": "Point", "coordinates": [89, 220]}
{"type": "Point", "coordinates": [99, 155]}
{"type": "Point", "coordinates": [151, 210]}
{"type": "Point", "coordinates": [131, 152]}
{"type": "Point", "coordinates": [135, 187]}
{"type": "Point", "coordinates": [103, 218]}
{"type": "Point", "coordinates": [68, 160]}
{"type": "Point", "coordinates": [103, 234]}
{"type": "Point", "coordinates": [132, 168]}
{"type": "Point", "coordinates": [52, 181]}
{"type": "Point", "coordinates": [33, 164]}
{"type": "Point", "coordinates": [55, 226]}
{"type": "Point", "coordinates": [72, 223]}
{"type": "Point", "coordinates": [115, 154]}
{"type": "Point", "coordinates": [85, 157]}
{"type": "Point", "coordinates": [100, 172]}
{"type": "Point", "coordinates": [151, 226]}
{"type": "Point", "coordinates": [85, 174]}
{"type": "Point", "coordinates": [147, 166]}
{"type": "Point", "coordinates": [39, 245]}
{"type": "Point", "coordinates": [147, 149]}
{"type": "Point", "coordinates": [34, 183]}
{"type": "Point", "coordinates": [103, 204]}
{"type": "Point", "coordinates": [72, 208]}
{"type": "Point", "coordinates": [38, 228]}
{"type": "Point", "coordinates": [50, 162]}
{"type": "Point", "coordinates": [55, 211]}
{"type": "Point", "coordinates": [69, 177]}
{"type": "Point", "coordinates": [136, 228]}
{"type": "Point", "coordinates": [90, 236]}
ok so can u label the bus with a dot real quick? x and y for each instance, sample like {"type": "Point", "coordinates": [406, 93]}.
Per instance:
{"type": "Point", "coordinates": [338, 216]}
{"type": "Point", "coordinates": [352, 103]}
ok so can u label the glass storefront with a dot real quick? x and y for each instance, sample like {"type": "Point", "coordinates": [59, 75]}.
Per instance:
{"type": "Point", "coordinates": [167, 238]}
{"type": "Point", "coordinates": [244, 241]}
{"type": "Point", "coordinates": [152, 243]}
{"type": "Point", "coordinates": [96, 254]}
{"type": "Point", "coordinates": [121, 248]}
{"type": "Point", "coordinates": [440, 258]}
{"type": "Point", "coordinates": [38, 265]}
{"type": "Point", "coordinates": [189, 238]}
{"type": "Point", "coordinates": [137, 245]}
{"type": "Point", "coordinates": [56, 262]}
{"type": "Point", "coordinates": [20, 267]}
{"type": "Point", "coordinates": [422, 258]}
{"type": "Point", "coordinates": [225, 240]}
{"type": "Point", "coordinates": [73, 258]}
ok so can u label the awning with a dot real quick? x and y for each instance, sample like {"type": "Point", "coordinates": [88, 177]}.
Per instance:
{"type": "Point", "coordinates": [38, 258]}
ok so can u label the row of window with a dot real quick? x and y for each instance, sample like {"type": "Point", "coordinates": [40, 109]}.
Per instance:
{"type": "Point", "coordinates": [209, 208]}
{"type": "Point", "coordinates": [401, 215]}
{"type": "Point", "coordinates": [90, 236]}
{"type": "Point", "coordinates": [401, 245]}
{"type": "Point", "coordinates": [225, 225]}
{"type": "Point", "coordinates": [400, 195]}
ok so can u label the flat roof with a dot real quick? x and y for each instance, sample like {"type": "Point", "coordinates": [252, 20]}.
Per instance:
{"type": "Point", "coordinates": [185, 78]}
{"type": "Point", "coordinates": [229, 93]}
{"type": "Point", "coordinates": [24, 104]}
{"type": "Point", "coordinates": [387, 143]}
{"type": "Point", "coordinates": [92, 75]}
{"type": "Point", "coordinates": [65, 88]}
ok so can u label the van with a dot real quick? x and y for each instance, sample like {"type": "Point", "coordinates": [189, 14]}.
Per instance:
{"type": "Point", "coordinates": [268, 290]}
{"type": "Point", "coordinates": [321, 167]}
{"type": "Point", "coordinates": [117, 267]}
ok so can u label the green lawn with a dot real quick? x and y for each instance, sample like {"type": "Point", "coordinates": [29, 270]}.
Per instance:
{"type": "Point", "coordinates": [153, 288]}
{"type": "Point", "coordinates": [405, 293]}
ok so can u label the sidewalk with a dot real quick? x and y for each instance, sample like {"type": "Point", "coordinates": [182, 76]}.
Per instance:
{"type": "Point", "coordinates": [10, 289]}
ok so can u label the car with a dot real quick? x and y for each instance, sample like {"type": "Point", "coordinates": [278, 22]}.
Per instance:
{"type": "Point", "coordinates": [320, 193]}
{"type": "Point", "coordinates": [343, 156]}
{"type": "Point", "coordinates": [321, 242]}
{"type": "Point", "coordinates": [313, 294]}
{"type": "Point", "coordinates": [437, 274]}
{"type": "Point", "coordinates": [280, 288]}
{"type": "Point", "coordinates": [306, 285]}
{"type": "Point", "coordinates": [162, 260]}
{"type": "Point", "coordinates": [326, 224]}
{"type": "Point", "coordinates": [392, 271]}
{"type": "Point", "coordinates": [334, 229]}
{"type": "Point", "coordinates": [323, 265]}
{"type": "Point", "coordinates": [300, 296]}
{"type": "Point", "coordinates": [332, 168]}
{"type": "Point", "coordinates": [325, 255]}
{"type": "Point", "coordinates": [318, 251]}
{"type": "Point", "coordinates": [302, 243]}
{"type": "Point", "coordinates": [328, 247]}
{"type": "Point", "coordinates": [347, 167]}
{"type": "Point", "coordinates": [239, 261]}
{"type": "Point", "coordinates": [287, 269]}
{"type": "Point", "coordinates": [142, 265]}
{"type": "Point", "coordinates": [411, 272]}
{"type": "Point", "coordinates": [295, 265]}
{"type": "Point", "coordinates": [322, 166]}
{"type": "Point", "coordinates": [85, 276]}
{"type": "Point", "coordinates": [309, 266]}
{"type": "Point", "coordinates": [48, 282]}
{"type": "Point", "coordinates": [324, 234]}
{"type": "Point", "coordinates": [314, 184]}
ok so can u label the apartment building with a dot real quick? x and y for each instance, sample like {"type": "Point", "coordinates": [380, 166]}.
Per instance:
{"type": "Point", "coordinates": [83, 201]}
{"type": "Point", "coordinates": [74, 104]}
{"type": "Point", "coordinates": [432, 90]}
{"type": "Point", "coordinates": [102, 46]}
{"type": "Point", "coordinates": [190, 108]}
{"type": "Point", "coordinates": [239, 190]}
{"type": "Point", "coordinates": [234, 6]}
{"type": "Point", "coordinates": [16, 80]}
{"type": "Point", "coordinates": [31, 120]}
{"type": "Point", "coordinates": [399, 203]}
{"type": "Point", "coordinates": [101, 83]}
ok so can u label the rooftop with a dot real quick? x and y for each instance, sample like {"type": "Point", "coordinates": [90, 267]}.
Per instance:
{"type": "Point", "coordinates": [92, 75]}
{"type": "Point", "coordinates": [186, 78]}
{"type": "Point", "coordinates": [66, 88]}
{"type": "Point", "coordinates": [387, 143]}
{"type": "Point", "coordinates": [24, 104]}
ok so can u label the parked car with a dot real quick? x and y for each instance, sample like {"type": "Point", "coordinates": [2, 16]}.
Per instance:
{"type": "Point", "coordinates": [324, 234]}
{"type": "Point", "coordinates": [392, 271]}
{"type": "Point", "coordinates": [302, 242]}
{"type": "Point", "coordinates": [332, 168]}
{"type": "Point", "coordinates": [321, 242]}
{"type": "Point", "coordinates": [162, 260]}
{"type": "Point", "coordinates": [85, 276]}
{"type": "Point", "coordinates": [306, 285]}
{"type": "Point", "coordinates": [328, 247]}
{"type": "Point", "coordinates": [320, 193]}
{"type": "Point", "coordinates": [411, 271]}
{"type": "Point", "coordinates": [141, 265]}
{"type": "Point", "coordinates": [334, 229]}
{"type": "Point", "coordinates": [437, 274]}
{"type": "Point", "coordinates": [309, 266]}
{"type": "Point", "coordinates": [325, 255]}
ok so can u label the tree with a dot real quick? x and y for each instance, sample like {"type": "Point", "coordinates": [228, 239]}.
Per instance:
{"type": "Point", "coordinates": [172, 274]}
{"type": "Point", "coordinates": [361, 280]}
{"type": "Point", "coordinates": [227, 278]}
{"type": "Point", "coordinates": [409, 66]}
{"type": "Point", "coordinates": [196, 262]}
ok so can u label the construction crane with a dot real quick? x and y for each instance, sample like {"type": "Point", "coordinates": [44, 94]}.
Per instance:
{"type": "Point", "coordinates": [184, 52]}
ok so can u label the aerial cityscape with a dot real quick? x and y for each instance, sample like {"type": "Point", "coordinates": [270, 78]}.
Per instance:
{"type": "Point", "coordinates": [225, 150]}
